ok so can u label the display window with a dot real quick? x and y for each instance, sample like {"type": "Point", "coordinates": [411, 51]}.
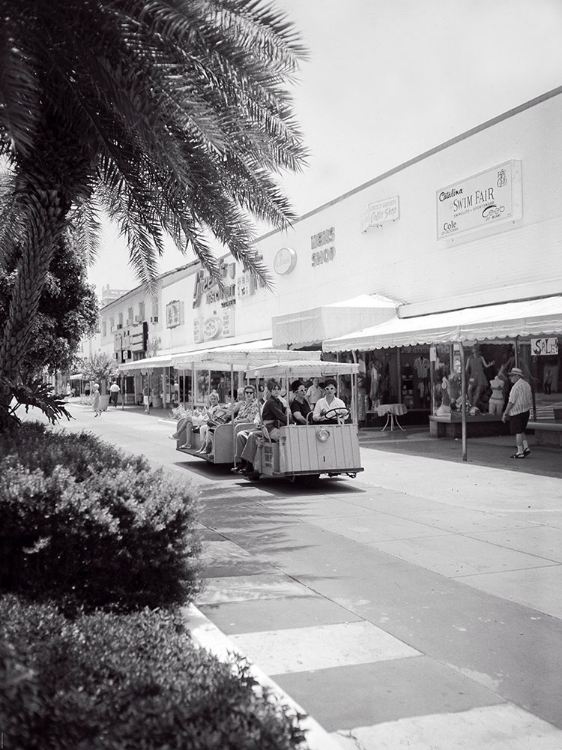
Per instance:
{"type": "Point", "coordinates": [486, 369]}
{"type": "Point", "coordinates": [415, 377]}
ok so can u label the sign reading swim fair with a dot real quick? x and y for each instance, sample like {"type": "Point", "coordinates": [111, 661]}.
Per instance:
{"type": "Point", "coordinates": [480, 201]}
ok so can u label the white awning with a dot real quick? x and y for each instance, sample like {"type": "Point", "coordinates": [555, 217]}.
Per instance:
{"type": "Point", "coordinates": [308, 368]}
{"type": "Point", "coordinates": [538, 317]}
{"type": "Point", "coordinates": [241, 357]}
{"type": "Point", "coordinates": [150, 363]}
{"type": "Point", "coordinates": [172, 356]}
{"type": "Point", "coordinates": [324, 322]}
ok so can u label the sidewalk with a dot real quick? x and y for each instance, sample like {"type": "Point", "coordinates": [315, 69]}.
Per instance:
{"type": "Point", "coordinates": [416, 607]}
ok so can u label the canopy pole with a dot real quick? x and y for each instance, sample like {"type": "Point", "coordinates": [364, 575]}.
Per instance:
{"type": "Point", "coordinates": [463, 402]}
{"type": "Point", "coordinates": [232, 412]}
{"type": "Point", "coordinates": [123, 387]}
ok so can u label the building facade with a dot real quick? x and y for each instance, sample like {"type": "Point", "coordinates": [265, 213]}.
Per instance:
{"type": "Point", "coordinates": [467, 229]}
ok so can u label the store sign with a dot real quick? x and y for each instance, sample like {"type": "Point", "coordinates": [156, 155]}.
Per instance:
{"type": "Point", "coordinates": [214, 327]}
{"type": "Point", "coordinates": [173, 314]}
{"type": "Point", "coordinates": [380, 212]}
{"type": "Point", "coordinates": [479, 202]}
{"type": "Point", "coordinates": [139, 337]}
{"type": "Point", "coordinates": [285, 261]}
{"type": "Point", "coordinates": [207, 288]}
{"type": "Point", "coordinates": [324, 241]}
{"type": "Point", "coordinates": [544, 347]}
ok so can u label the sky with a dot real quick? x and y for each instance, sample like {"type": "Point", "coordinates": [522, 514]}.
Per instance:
{"type": "Point", "coordinates": [387, 80]}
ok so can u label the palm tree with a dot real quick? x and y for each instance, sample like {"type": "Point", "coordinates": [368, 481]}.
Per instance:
{"type": "Point", "coordinates": [172, 115]}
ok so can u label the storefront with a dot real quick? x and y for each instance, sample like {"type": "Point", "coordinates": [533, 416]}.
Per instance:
{"type": "Point", "coordinates": [420, 361]}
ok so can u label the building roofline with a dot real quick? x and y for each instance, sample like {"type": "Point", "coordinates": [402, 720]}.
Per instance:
{"type": "Point", "coordinates": [158, 278]}
{"type": "Point", "coordinates": [426, 154]}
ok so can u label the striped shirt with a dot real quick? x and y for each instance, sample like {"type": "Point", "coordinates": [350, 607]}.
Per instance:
{"type": "Point", "coordinates": [520, 397]}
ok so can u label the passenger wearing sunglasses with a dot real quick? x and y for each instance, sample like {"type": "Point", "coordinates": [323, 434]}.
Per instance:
{"type": "Point", "coordinates": [327, 403]}
{"type": "Point", "coordinates": [246, 410]}
{"type": "Point", "coordinates": [300, 408]}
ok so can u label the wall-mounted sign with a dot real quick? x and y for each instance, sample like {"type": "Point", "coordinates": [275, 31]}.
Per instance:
{"type": "Point", "coordinates": [139, 337]}
{"type": "Point", "coordinates": [380, 212]}
{"type": "Point", "coordinates": [323, 238]}
{"type": "Point", "coordinates": [544, 347]}
{"type": "Point", "coordinates": [207, 287]}
{"type": "Point", "coordinates": [285, 261]}
{"type": "Point", "coordinates": [173, 314]}
{"type": "Point", "coordinates": [480, 201]}
{"type": "Point", "coordinates": [327, 251]}
{"type": "Point", "coordinates": [216, 326]}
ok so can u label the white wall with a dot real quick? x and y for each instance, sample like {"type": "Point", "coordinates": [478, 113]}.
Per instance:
{"type": "Point", "coordinates": [405, 261]}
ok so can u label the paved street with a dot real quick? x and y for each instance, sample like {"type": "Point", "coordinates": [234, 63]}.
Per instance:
{"type": "Point", "coordinates": [418, 606]}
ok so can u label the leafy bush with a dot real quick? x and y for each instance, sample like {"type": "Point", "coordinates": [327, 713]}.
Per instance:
{"type": "Point", "coordinates": [36, 446]}
{"type": "Point", "coordinates": [121, 682]}
{"type": "Point", "coordinates": [93, 527]}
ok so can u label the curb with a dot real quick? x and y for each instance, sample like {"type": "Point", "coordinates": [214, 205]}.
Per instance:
{"type": "Point", "coordinates": [206, 635]}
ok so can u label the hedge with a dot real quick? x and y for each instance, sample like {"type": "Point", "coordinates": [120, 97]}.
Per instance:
{"type": "Point", "coordinates": [126, 681]}
{"type": "Point", "coordinates": [94, 527]}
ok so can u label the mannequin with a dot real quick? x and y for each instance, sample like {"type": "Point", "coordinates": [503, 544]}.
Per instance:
{"type": "Point", "coordinates": [477, 380]}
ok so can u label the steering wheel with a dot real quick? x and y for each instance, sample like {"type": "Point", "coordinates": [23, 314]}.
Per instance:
{"type": "Point", "coordinates": [339, 412]}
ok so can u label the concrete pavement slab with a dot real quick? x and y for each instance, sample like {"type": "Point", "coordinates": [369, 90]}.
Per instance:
{"type": "Point", "coordinates": [547, 517]}
{"type": "Point", "coordinates": [461, 520]}
{"type": "Point", "coordinates": [288, 612]}
{"type": "Point", "coordinates": [223, 558]}
{"type": "Point", "coordinates": [503, 727]}
{"type": "Point", "coordinates": [244, 588]}
{"type": "Point", "coordinates": [538, 588]}
{"type": "Point", "coordinates": [375, 527]}
{"type": "Point", "coordinates": [454, 555]}
{"type": "Point", "coordinates": [383, 691]}
{"type": "Point", "coordinates": [320, 647]}
{"type": "Point", "coordinates": [543, 541]}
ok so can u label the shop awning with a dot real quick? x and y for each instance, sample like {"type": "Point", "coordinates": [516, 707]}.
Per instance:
{"type": "Point", "coordinates": [327, 321]}
{"type": "Point", "coordinates": [240, 357]}
{"type": "Point", "coordinates": [538, 317]}
{"type": "Point", "coordinates": [150, 363]}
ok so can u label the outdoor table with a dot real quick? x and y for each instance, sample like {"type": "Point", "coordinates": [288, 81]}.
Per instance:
{"type": "Point", "coordinates": [392, 411]}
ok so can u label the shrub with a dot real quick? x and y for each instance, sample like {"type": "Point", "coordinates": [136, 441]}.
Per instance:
{"type": "Point", "coordinates": [121, 537]}
{"type": "Point", "coordinates": [36, 446]}
{"type": "Point", "coordinates": [120, 682]}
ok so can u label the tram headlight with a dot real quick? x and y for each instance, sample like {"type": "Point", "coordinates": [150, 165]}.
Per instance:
{"type": "Point", "coordinates": [323, 435]}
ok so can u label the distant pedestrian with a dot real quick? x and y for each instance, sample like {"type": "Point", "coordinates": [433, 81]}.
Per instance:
{"type": "Point", "coordinates": [114, 392]}
{"type": "Point", "coordinates": [146, 398]}
{"type": "Point", "coordinates": [518, 410]}
{"type": "Point", "coordinates": [314, 393]}
{"type": "Point", "coordinates": [97, 408]}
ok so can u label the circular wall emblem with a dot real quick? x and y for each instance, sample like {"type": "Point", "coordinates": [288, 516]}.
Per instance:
{"type": "Point", "coordinates": [211, 328]}
{"type": "Point", "coordinates": [285, 260]}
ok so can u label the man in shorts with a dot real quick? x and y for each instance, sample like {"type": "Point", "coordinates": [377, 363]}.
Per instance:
{"type": "Point", "coordinates": [518, 410]}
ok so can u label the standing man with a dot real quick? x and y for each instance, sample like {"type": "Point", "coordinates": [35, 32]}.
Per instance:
{"type": "Point", "coordinates": [518, 410]}
{"type": "Point", "coordinates": [114, 392]}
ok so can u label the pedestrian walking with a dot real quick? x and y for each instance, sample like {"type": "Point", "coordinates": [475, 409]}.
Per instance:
{"type": "Point", "coordinates": [114, 392]}
{"type": "Point", "coordinates": [518, 410]}
{"type": "Point", "coordinates": [97, 408]}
